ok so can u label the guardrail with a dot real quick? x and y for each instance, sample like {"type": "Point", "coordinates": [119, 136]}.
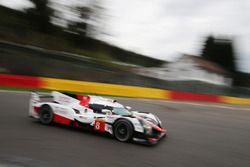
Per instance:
{"type": "Point", "coordinates": [112, 89]}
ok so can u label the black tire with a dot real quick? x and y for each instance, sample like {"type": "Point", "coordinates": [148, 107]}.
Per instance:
{"type": "Point", "coordinates": [46, 115]}
{"type": "Point", "coordinates": [123, 130]}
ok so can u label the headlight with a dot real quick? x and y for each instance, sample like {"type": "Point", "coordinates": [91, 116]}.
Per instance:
{"type": "Point", "coordinates": [159, 121]}
{"type": "Point", "coordinates": [147, 128]}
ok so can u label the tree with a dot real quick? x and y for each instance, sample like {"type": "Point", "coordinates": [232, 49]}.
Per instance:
{"type": "Point", "coordinates": [80, 26]}
{"type": "Point", "coordinates": [40, 15]}
{"type": "Point", "coordinates": [89, 21]}
{"type": "Point", "coordinates": [220, 51]}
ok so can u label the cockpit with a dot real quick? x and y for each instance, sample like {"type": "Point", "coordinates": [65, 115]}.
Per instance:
{"type": "Point", "coordinates": [98, 108]}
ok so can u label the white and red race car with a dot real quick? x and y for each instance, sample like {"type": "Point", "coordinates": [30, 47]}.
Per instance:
{"type": "Point", "coordinates": [96, 113]}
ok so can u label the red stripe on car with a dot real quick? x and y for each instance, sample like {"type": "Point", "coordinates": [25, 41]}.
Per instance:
{"type": "Point", "coordinates": [60, 119]}
{"type": "Point", "coordinates": [36, 109]}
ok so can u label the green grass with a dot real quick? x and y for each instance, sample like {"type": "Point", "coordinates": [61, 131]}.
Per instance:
{"type": "Point", "coordinates": [22, 89]}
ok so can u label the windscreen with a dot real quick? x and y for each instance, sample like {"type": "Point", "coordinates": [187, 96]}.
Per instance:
{"type": "Point", "coordinates": [121, 111]}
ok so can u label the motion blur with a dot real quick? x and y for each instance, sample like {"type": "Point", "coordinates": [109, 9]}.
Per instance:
{"type": "Point", "coordinates": [64, 40]}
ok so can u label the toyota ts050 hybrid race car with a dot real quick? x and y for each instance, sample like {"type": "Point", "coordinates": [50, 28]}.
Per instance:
{"type": "Point", "coordinates": [97, 113]}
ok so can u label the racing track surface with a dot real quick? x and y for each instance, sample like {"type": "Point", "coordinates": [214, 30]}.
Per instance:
{"type": "Point", "coordinates": [199, 135]}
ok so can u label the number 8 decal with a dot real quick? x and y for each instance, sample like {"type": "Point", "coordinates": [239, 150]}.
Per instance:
{"type": "Point", "coordinates": [99, 125]}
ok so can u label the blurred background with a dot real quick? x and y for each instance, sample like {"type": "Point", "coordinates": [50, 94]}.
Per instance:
{"type": "Point", "coordinates": [190, 46]}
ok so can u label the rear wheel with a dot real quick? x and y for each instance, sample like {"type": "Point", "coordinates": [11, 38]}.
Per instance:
{"type": "Point", "coordinates": [123, 130]}
{"type": "Point", "coordinates": [46, 115]}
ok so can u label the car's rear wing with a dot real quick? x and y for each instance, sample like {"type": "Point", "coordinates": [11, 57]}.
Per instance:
{"type": "Point", "coordinates": [63, 98]}
{"type": "Point", "coordinates": [53, 96]}
{"type": "Point", "coordinates": [36, 97]}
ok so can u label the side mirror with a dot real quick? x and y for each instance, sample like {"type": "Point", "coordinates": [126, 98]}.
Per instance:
{"type": "Point", "coordinates": [128, 107]}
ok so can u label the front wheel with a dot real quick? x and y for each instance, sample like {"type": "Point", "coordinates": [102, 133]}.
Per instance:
{"type": "Point", "coordinates": [123, 130]}
{"type": "Point", "coordinates": [46, 115]}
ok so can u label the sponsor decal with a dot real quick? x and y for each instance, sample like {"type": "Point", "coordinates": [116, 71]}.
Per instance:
{"type": "Point", "coordinates": [108, 128]}
{"type": "Point", "coordinates": [60, 110]}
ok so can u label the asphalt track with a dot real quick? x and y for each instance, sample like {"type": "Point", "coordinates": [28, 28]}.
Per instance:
{"type": "Point", "coordinates": [199, 135]}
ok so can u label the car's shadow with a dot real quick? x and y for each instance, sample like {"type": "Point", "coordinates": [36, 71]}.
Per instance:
{"type": "Point", "coordinates": [95, 134]}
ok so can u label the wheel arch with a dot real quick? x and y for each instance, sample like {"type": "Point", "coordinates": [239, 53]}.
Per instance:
{"type": "Point", "coordinates": [117, 125]}
{"type": "Point", "coordinates": [45, 105]}
{"type": "Point", "coordinates": [122, 118]}
{"type": "Point", "coordinates": [43, 113]}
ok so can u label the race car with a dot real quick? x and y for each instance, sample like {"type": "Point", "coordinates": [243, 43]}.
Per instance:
{"type": "Point", "coordinates": [97, 113]}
